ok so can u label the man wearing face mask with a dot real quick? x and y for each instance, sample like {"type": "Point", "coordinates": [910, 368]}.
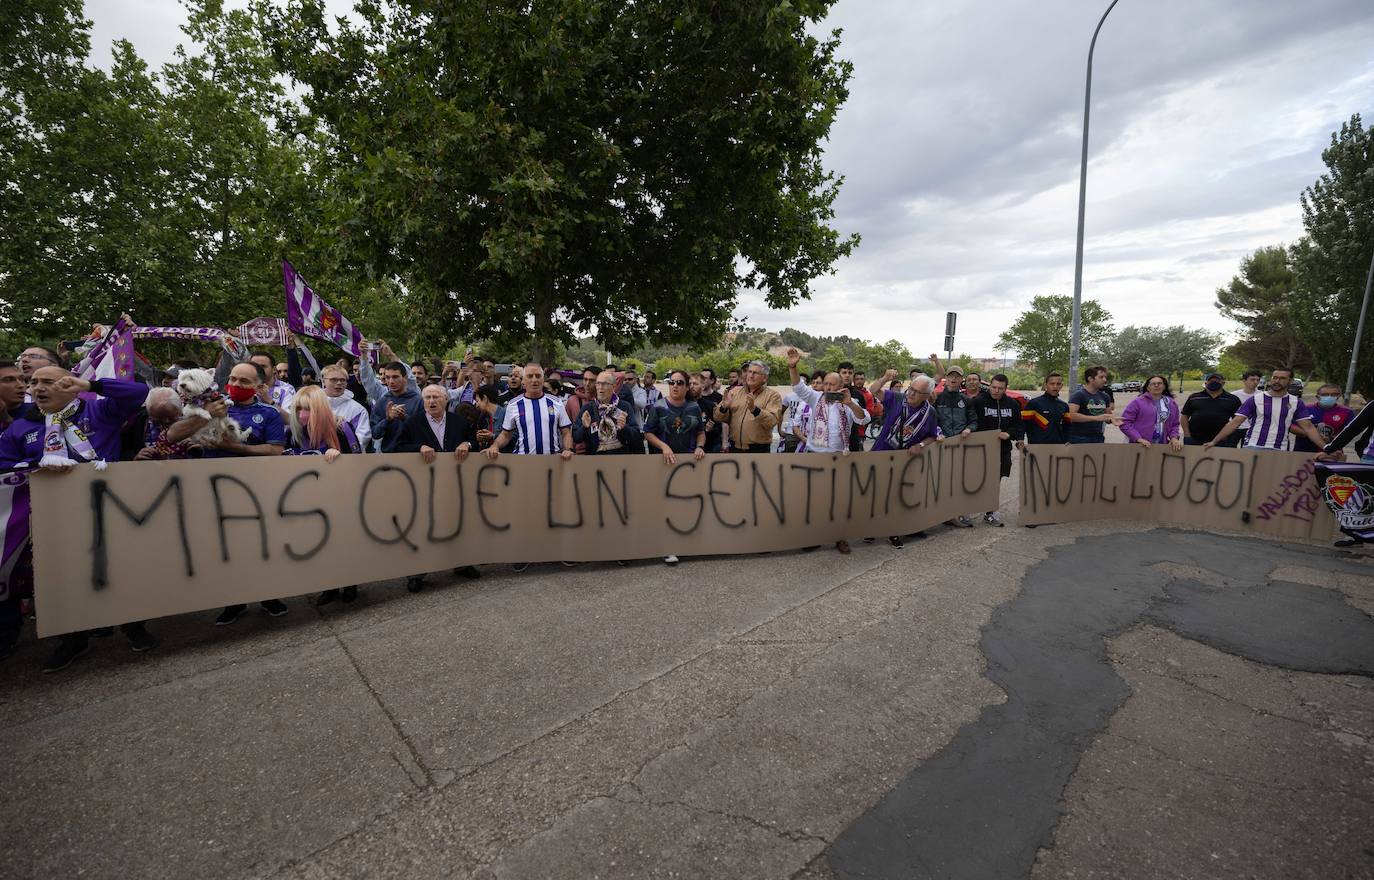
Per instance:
{"type": "Point", "coordinates": [1206, 412]}
{"type": "Point", "coordinates": [1329, 417]}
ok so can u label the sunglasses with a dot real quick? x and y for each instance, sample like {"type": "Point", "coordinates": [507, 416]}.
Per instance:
{"type": "Point", "coordinates": [675, 382]}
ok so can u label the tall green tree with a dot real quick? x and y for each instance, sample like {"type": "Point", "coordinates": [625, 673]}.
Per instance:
{"type": "Point", "coordinates": [1262, 300]}
{"type": "Point", "coordinates": [169, 195]}
{"type": "Point", "coordinates": [1332, 261]}
{"type": "Point", "coordinates": [1041, 334]}
{"type": "Point", "coordinates": [563, 167]}
{"type": "Point", "coordinates": [1137, 352]}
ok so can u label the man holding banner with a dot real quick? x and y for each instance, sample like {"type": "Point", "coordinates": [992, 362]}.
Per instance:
{"type": "Point", "coordinates": [1275, 416]}
{"type": "Point", "coordinates": [58, 432]}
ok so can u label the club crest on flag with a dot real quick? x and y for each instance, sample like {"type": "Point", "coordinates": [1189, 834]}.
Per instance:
{"type": "Point", "coordinates": [1340, 489]}
{"type": "Point", "coordinates": [307, 313]}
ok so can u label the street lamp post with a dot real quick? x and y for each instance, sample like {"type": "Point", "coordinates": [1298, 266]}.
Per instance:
{"type": "Point", "coordinates": [1359, 331]}
{"type": "Point", "coordinates": [1076, 329]}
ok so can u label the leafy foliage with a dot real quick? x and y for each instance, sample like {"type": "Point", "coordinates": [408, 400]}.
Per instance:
{"type": "Point", "coordinates": [1137, 352]}
{"type": "Point", "coordinates": [1333, 260]}
{"type": "Point", "coordinates": [1262, 300]}
{"type": "Point", "coordinates": [168, 195]}
{"type": "Point", "coordinates": [545, 169]}
{"type": "Point", "coordinates": [1041, 334]}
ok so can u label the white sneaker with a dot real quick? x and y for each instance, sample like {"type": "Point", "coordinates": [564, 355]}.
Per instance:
{"type": "Point", "coordinates": [992, 518]}
{"type": "Point", "coordinates": [670, 560]}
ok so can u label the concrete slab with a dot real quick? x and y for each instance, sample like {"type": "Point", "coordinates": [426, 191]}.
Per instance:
{"type": "Point", "coordinates": [223, 774]}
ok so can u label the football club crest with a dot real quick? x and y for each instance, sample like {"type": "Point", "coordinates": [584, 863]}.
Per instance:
{"type": "Point", "coordinates": [1339, 490]}
{"type": "Point", "coordinates": [1348, 492]}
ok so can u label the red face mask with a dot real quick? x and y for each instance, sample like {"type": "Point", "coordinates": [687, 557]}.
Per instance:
{"type": "Point", "coordinates": [239, 394]}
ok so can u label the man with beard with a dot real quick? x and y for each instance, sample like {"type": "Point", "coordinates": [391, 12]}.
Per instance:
{"type": "Point", "coordinates": [833, 411]}
{"type": "Point", "coordinates": [1275, 415]}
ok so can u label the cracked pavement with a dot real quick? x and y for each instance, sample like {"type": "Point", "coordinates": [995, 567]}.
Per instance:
{"type": "Point", "coordinates": [730, 717]}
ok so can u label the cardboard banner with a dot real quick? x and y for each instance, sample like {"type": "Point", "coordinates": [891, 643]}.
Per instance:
{"type": "Point", "coordinates": [1264, 493]}
{"type": "Point", "coordinates": [147, 539]}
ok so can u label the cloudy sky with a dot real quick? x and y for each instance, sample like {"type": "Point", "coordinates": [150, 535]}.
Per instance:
{"type": "Point", "coordinates": [960, 147]}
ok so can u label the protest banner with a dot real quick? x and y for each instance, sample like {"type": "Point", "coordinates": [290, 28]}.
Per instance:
{"type": "Point", "coordinates": [1264, 493]}
{"type": "Point", "coordinates": [147, 539]}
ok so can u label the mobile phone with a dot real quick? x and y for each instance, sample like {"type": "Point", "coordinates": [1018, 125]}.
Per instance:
{"type": "Point", "coordinates": [834, 395]}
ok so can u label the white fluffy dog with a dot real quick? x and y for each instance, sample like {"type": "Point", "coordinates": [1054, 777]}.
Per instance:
{"type": "Point", "coordinates": [197, 388]}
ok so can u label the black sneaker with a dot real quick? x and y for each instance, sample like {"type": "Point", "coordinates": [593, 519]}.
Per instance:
{"type": "Point", "coordinates": [520, 566]}
{"type": "Point", "coordinates": [68, 649]}
{"type": "Point", "coordinates": [896, 541]}
{"type": "Point", "coordinates": [230, 614]}
{"type": "Point", "coordinates": [274, 607]}
{"type": "Point", "coordinates": [415, 582]}
{"type": "Point", "coordinates": [468, 571]}
{"type": "Point", "coordinates": [140, 639]}
{"type": "Point", "coordinates": [326, 597]}
{"type": "Point", "coordinates": [349, 594]}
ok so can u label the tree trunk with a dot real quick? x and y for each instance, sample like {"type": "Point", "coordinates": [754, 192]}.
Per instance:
{"type": "Point", "coordinates": [541, 349]}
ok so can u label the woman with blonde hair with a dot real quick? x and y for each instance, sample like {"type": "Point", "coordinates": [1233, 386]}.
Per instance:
{"type": "Point", "coordinates": [314, 430]}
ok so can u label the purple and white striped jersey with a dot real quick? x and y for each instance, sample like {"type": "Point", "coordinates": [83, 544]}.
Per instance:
{"type": "Point", "coordinates": [1270, 418]}
{"type": "Point", "coordinates": [537, 424]}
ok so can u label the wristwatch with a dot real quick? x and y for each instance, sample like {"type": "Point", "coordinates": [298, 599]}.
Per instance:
{"type": "Point", "coordinates": [756, 411]}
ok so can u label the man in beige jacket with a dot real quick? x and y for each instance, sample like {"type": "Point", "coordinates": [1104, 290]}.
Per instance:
{"type": "Point", "coordinates": [751, 411]}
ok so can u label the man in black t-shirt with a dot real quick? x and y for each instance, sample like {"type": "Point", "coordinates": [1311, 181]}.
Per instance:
{"type": "Point", "coordinates": [1207, 412]}
{"type": "Point", "coordinates": [1090, 408]}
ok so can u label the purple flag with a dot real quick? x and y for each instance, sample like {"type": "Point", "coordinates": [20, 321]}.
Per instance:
{"type": "Point", "coordinates": [307, 313]}
{"type": "Point", "coordinates": [112, 357]}
{"type": "Point", "coordinates": [14, 524]}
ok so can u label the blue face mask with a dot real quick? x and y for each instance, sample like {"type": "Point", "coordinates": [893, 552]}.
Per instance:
{"type": "Point", "coordinates": [1215, 385]}
{"type": "Point", "coordinates": [1326, 401]}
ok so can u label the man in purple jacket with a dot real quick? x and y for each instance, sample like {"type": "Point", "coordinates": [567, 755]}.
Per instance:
{"type": "Point", "coordinates": [58, 432]}
{"type": "Point", "coordinates": [909, 422]}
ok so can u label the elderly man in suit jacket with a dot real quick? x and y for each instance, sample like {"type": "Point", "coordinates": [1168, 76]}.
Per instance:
{"type": "Point", "coordinates": [431, 430]}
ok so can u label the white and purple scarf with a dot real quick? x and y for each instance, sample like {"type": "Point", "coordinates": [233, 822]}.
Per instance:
{"type": "Point", "coordinates": [62, 436]}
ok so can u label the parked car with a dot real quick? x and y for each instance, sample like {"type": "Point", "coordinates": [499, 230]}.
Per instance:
{"type": "Point", "coordinates": [1118, 387]}
{"type": "Point", "coordinates": [1133, 385]}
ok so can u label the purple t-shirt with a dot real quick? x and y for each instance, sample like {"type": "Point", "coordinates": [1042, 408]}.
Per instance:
{"type": "Point", "coordinates": [263, 423]}
{"type": "Point", "coordinates": [1270, 418]}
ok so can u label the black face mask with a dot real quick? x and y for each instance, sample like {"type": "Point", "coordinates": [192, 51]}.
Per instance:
{"type": "Point", "coordinates": [1215, 386]}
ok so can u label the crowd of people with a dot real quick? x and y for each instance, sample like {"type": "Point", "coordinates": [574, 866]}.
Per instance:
{"type": "Point", "coordinates": [54, 419]}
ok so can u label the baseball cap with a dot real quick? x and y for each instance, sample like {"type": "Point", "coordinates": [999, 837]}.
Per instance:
{"type": "Point", "coordinates": [959, 370]}
{"type": "Point", "coordinates": [1214, 375]}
